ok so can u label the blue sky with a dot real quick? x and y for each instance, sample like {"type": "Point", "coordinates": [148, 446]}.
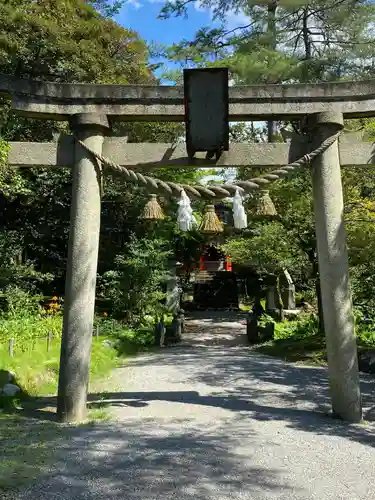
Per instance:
{"type": "Point", "coordinates": [141, 16]}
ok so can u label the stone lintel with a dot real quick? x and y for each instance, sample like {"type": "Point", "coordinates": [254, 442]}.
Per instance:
{"type": "Point", "coordinates": [149, 155]}
{"type": "Point", "coordinates": [165, 103]}
{"type": "Point", "coordinates": [240, 109]}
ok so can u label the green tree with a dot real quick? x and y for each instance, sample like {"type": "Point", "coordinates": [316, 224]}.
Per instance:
{"type": "Point", "coordinates": [285, 40]}
{"type": "Point", "coordinates": [106, 7]}
{"type": "Point", "coordinates": [77, 45]}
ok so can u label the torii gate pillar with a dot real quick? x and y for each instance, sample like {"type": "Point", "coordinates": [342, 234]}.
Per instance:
{"type": "Point", "coordinates": [81, 269]}
{"type": "Point", "coordinates": [334, 271]}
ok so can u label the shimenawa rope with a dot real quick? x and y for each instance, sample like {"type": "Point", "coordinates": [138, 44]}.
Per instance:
{"type": "Point", "coordinates": [213, 191]}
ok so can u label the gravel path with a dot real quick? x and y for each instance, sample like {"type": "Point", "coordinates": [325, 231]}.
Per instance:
{"type": "Point", "coordinates": [213, 420]}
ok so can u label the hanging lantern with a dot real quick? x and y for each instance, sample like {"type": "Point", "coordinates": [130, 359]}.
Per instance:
{"type": "Point", "coordinates": [210, 221]}
{"type": "Point", "coordinates": [264, 206]}
{"type": "Point", "coordinates": [152, 210]}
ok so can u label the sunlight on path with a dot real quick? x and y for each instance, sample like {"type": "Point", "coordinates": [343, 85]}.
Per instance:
{"type": "Point", "coordinates": [210, 419]}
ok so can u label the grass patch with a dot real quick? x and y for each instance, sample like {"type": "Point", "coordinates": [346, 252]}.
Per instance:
{"type": "Point", "coordinates": [37, 370]}
{"type": "Point", "coordinates": [25, 330]}
{"type": "Point", "coordinates": [300, 341]}
{"type": "Point", "coordinates": [310, 349]}
{"type": "Point", "coordinates": [28, 445]}
{"type": "Point", "coordinates": [98, 415]}
{"type": "Point", "coordinates": [297, 341]}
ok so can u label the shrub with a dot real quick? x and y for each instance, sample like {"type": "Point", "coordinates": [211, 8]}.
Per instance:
{"type": "Point", "coordinates": [136, 285]}
{"type": "Point", "coordinates": [306, 325]}
{"type": "Point", "coordinates": [20, 303]}
{"type": "Point", "coordinates": [26, 329]}
{"type": "Point", "coordinates": [129, 340]}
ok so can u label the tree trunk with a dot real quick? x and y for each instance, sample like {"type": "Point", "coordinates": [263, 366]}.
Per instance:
{"type": "Point", "coordinates": [271, 11]}
{"type": "Point", "coordinates": [306, 42]}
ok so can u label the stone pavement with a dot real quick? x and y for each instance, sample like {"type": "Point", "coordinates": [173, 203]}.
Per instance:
{"type": "Point", "coordinates": [213, 420]}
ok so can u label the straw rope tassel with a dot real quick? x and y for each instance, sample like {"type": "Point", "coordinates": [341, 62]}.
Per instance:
{"type": "Point", "coordinates": [152, 210]}
{"type": "Point", "coordinates": [265, 206]}
{"type": "Point", "coordinates": [210, 222]}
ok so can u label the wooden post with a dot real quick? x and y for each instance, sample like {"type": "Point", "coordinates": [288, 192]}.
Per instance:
{"type": "Point", "coordinates": [11, 347]}
{"type": "Point", "coordinates": [49, 341]}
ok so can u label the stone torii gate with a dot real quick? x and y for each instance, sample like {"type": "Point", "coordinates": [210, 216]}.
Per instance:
{"type": "Point", "coordinates": [90, 109]}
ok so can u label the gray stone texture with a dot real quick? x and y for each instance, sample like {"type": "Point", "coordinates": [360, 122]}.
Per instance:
{"type": "Point", "coordinates": [287, 291]}
{"type": "Point", "coordinates": [165, 103]}
{"type": "Point", "coordinates": [148, 155]}
{"type": "Point", "coordinates": [173, 294]}
{"type": "Point", "coordinates": [81, 272]}
{"type": "Point", "coordinates": [366, 361]}
{"type": "Point", "coordinates": [334, 272]}
{"type": "Point", "coordinates": [10, 390]}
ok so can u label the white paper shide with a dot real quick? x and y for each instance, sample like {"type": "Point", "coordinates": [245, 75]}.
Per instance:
{"type": "Point", "coordinates": [185, 217]}
{"type": "Point", "coordinates": [239, 214]}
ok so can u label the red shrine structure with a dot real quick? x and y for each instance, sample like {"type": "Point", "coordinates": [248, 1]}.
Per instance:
{"type": "Point", "coordinates": [213, 259]}
{"type": "Point", "coordinates": [215, 285]}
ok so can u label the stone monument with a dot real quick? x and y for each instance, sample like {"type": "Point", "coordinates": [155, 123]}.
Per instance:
{"type": "Point", "coordinates": [287, 291]}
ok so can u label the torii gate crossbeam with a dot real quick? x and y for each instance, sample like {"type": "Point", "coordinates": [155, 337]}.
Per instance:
{"type": "Point", "coordinates": [59, 101]}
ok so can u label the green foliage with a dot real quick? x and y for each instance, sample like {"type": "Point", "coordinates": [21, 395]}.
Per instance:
{"type": "Point", "coordinates": [300, 339]}
{"type": "Point", "coordinates": [77, 45]}
{"type": "Point", "coordinates": [127, 340]}
{"type": "Point", "coordinates": [24, 320]}
{"type": "Point", "coordinates": [37, 370]}
{"type": "Point", "coordinates": [82, 44]}
{"type": "Point", "coordinates": [20, 303]}
{"type": "Point", "coordinates": [304, 326]}
{"type": "Point", "coordinates": [105, 7]}
{"type": "Point", "coordinates": [135, 285]}
{"type": "Point", "coordinates": [4, 150]}
{"type": "Point", "coordinates": [188, 248]}
{"type": "Point", "coordinates": [264, 320]}
{"type": "Point", "coordinates": [11, 181]}
{"type": "Point", "coordinates": [244, 132]}
{"type": "Point", "coordinates": [28, 329]}
{"type": "Point", "coordinates": [281, 42]}
{"type": "Point", "coordinates": [267, 248]}
{"type": "Point", "coordinates": [64, 41]}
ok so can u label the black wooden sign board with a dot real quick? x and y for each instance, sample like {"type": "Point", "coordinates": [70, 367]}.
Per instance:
{"type": "Point", "coordinates": [206, 110]}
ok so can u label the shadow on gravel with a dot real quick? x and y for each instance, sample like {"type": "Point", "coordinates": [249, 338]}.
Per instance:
{"type": "Point", "coordinates": [146, 461]}
{"type": "Point", "coordinates": [180, 459]}
{"type": "Point", "coordinates": [259, 387]}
